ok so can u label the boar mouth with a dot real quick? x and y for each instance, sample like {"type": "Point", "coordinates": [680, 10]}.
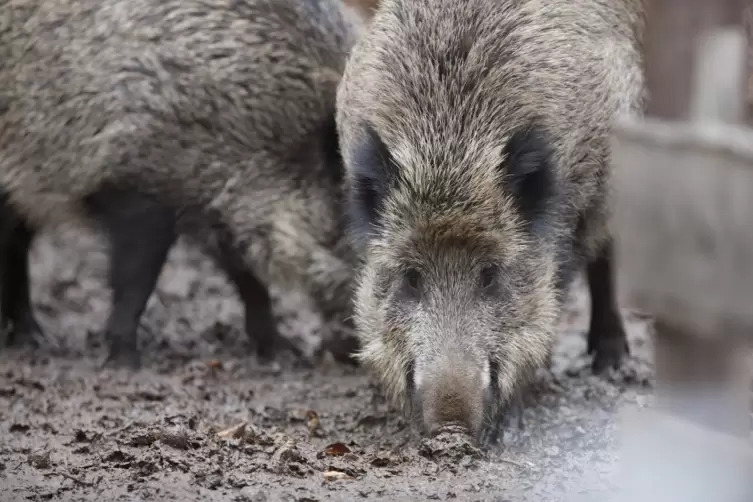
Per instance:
{"type": "Point", "coordinates": [476, 426]}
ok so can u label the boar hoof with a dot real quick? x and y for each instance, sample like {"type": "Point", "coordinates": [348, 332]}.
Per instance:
{"type": "Point", "coordinates": [25, 333]}
{"type": "Point", "coordinates": [273, 346]}
{"type": "Point", "coordinates": [609, 347]}
{"type": "Point", "coordinates": [122, 354]}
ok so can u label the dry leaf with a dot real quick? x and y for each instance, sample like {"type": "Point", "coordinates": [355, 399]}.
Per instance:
{"type": "Point", "coordinates": [336, 449]}
{"type": "Point", "coordinates": [235, 431]}
{"type": "Point", "coordinates": [215, 364]}
{"type": "Point", "coordinates": [333, 475]}
{"type": "Point", "coordinates": [380, 462]}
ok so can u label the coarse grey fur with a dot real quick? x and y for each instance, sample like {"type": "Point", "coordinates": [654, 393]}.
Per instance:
{"type": "Point", "coordinates": [475, 135]}
{"type": "Point", "coordinates": [212, 118]}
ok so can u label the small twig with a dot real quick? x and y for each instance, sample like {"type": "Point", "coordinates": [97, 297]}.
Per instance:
{"type": "Point", "coordinates": [516, 464]}
{"type": "Point", "coordinates": [122, 429]}
{"type": "Point", "coordinates": [68, 476]}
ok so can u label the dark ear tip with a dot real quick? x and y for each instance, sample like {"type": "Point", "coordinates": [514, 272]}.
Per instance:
{"type": "Point", "coordinates": [371, 166]}
{"type": "Point", "coordinates": [371, 152]}
{"type": "Point", "coordinates": [529, 165]}
{"type": "Point", "coordinates": [529, 142]}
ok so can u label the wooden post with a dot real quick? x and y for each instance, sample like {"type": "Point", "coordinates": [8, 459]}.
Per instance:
{"type": "Point", "coordinates": [719, 77]}
{"type": "Point", "coordinates": [671, 30]}
{"type": "Point", "coordinates": [748, 23]}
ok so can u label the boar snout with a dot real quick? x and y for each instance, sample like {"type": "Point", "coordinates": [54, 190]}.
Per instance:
{"type": "Point", "coordinates": [452, 394]}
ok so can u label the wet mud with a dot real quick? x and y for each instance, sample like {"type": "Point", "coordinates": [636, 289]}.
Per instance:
{"type": "Point", "coordinates": [205, 420]}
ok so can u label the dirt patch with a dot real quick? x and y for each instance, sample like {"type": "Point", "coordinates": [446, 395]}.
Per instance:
{"type": "Point", "coordinates": [203, 420]}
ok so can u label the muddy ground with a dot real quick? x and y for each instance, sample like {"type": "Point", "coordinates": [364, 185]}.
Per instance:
{"type": "Point", "coordinates": [72, 431]}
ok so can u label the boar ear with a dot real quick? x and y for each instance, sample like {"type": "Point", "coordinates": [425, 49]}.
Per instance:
{"type": "Point", "coordinates": [530, 174]}
{"type": "Point", "coordinates": [371, 165]}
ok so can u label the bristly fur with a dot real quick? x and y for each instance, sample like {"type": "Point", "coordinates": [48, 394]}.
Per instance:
{"type": "Point", "coordinates": [223, 111]}
{"type": "Point", "coordinates": [478, 130]}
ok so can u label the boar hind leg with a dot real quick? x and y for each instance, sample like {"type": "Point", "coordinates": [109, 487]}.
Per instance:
{"type": "Point", "coordinates": [606, 336]}
{"type": "Point", "coordinates": [327, 280]}
{"type": "Point", "coordinates": [141, 232]}
{"type": "Point", "coordinates": [17, 311]}
{"type": "Point", "coordinates": [261, 326]}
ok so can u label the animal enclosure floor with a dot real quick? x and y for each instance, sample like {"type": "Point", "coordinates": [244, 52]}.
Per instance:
{"type": "Point", "coordinates": [174, 430]}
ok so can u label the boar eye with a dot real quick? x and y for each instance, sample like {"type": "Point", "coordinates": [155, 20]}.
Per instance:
{"type": "Point", "coordinates": [489, 275]}
{"type": "Point", "coordinates": [412, 281]}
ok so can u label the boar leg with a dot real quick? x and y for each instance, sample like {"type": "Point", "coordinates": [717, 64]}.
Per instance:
{"type": "Point", "coordinates": [342, 341]}
{"type": "Point", "coordinates": [508, 417]}
{"type": "Point", "coordinates": [606, 335]}
{"type": "Point", "coordinates": [326, 278]}
{"type": "Point", "coordinates": [141, 232]}
{"type": "Point", "coordinates": [17, 309]}
{"type": "Point", "coordinates": [261, 326]}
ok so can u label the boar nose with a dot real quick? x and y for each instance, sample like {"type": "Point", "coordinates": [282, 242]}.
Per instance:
{"type": "Point", "coordinates": [452, 396]}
